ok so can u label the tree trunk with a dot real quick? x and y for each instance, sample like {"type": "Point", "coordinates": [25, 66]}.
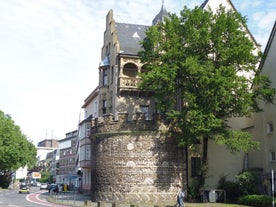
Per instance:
{"type": "Point", "coordinates": [204, 161]}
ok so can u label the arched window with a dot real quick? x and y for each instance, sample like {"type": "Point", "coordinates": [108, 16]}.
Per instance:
{"type": "Point", "coordinates": [144, 69]}
{"type": "Point", "coordinates": [130, 70]}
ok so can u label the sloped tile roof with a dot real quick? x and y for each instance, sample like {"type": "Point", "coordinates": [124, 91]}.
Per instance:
{"type": "Point", "coordinates": [129, 36]}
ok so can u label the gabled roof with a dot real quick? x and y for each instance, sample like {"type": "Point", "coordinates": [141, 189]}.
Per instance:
{"type": "Point", "coordinates": [129, 36]}
{"type": "Point", "coordinates": [91, 97]}
{"type": "Point", "coordinates": [268, 45]}
{"type": "Point", "coordinates": [228, 2]}
{"type": "Point", "coordinates": [204, 4]}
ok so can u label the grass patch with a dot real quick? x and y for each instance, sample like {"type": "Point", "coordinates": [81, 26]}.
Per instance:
{"type": "Point", "coordinates": [213, 205]}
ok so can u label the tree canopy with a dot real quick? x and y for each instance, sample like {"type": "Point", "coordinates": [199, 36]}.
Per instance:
{"type": "Point", "coordinates": [15, 149]}
{"type": "Point", "coordinates": [203, 71]}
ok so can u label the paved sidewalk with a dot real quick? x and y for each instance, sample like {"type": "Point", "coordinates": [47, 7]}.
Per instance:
{"type": "Point", "coordinates": [75, 199]}
{"type": "Point", "coordinates": [71, 198]}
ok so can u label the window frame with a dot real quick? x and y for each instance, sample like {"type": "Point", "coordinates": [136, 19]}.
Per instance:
{"type": "Point", "coordinates": [195, 166]}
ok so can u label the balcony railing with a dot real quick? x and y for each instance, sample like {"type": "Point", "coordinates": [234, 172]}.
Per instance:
{"type": "Point", "coordinates": [128, 83]}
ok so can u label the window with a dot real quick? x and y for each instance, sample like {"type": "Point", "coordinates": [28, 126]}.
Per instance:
{"type": "Point", "coordinates": [272, 156]}
{"type": "Point", "coordinates": [144, 69]}
{"type": "Point", "coordinates": [95, 109]}
{"type": "Point", "coordinates": [87, 129]}
{"type": "Point", "coordinates": [112, 74]}
{"type": "Point", "coordinates": [130, 70]}
{"type": "Point", "coordinates": [82, 153]}
{"type": "Point", "coordinates": [111, 99]}
{"type": "Point", "coordinates": [195, 166]}
{"type": "Point", "coordinates": [104, 106]}
{"type": "Point", "coordinates": [107, 49]}
{"type": "Point", "coordinates": [145, 110]}
{"type": "Point", "coordinates": [87, 152]}
{"type": "Point", "coordinates": [105, 77]}
{"type": "Point", "coordinates": [270, 128]}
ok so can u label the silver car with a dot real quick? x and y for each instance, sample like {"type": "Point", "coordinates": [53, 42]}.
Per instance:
{"type": "Point", "coordinates": [43, 186]}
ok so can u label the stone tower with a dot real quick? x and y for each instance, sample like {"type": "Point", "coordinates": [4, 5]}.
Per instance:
{"type": "Point", "coordinates": [134, 158]}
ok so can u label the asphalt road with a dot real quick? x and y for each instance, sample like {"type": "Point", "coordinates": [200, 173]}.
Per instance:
{"type": "Point", "coordinates": [36, 198]}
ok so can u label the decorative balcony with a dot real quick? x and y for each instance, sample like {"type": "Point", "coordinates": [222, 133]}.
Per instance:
{"type": "Point", "coordinates": [129, 83]}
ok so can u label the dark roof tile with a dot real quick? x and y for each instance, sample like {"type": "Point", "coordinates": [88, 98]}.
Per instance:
{"type": "Point", "coordinates": [129, 36]}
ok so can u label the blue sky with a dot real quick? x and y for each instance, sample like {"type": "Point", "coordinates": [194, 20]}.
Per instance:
{"type": "Point", "coordinates": [50, 52]}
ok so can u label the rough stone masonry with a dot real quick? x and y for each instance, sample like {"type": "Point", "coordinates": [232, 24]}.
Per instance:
{"type": "Point", "coordinates": [135, 161]}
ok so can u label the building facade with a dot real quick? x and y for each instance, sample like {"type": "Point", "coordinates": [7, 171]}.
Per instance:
{"type": "Point", "coordinates": [122, 142]}
{"type": "Point", "coordinates": [67, 156]}
{"type": "Point", "coordinates": [119, 93]}
{"type": "Point", "coordinates": [264, 122]}
{"type": "Point", "coordinates": [52, 143]}
{"type": "Point", "coordinates": [83, 155]}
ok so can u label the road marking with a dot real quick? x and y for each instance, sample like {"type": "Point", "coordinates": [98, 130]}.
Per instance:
{"type": "Point", "coordinates": [34, 198]}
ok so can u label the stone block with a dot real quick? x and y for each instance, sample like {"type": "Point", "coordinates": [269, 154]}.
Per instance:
{"type": "Point", "coordinates": [87, 203]}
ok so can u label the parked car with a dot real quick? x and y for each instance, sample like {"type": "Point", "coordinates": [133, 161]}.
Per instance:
{"type": "Point", "coordinates": [37, 184]}
{"type": "Point", "coordinates": [24, 188]}
{"type": "Point", "coordinates": [53, 187]}
{"type": "Point", "coordinates": [43, 186]}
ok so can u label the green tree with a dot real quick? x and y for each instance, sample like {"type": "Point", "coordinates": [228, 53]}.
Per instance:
{"type": "Point", "coordinates": [203, 72]}
{"type": "Point", "coordinates": [45, 176]}
{"type": "Point", "coordinates": [15, 149]}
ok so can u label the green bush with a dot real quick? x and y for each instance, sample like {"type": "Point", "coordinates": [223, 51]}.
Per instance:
{"type": "Point", "coordinates": [247, 182]}
{"type": "Point", "coordinates": [256, 200]}
{"type": "Point", "coordinates": [5, 181]}
{"type": "Point", "coordinates": [232, 190]}
{"type": "Point", "coordinates": [250, 182]}
{"type": "Point", "coordinates": [194, 192]}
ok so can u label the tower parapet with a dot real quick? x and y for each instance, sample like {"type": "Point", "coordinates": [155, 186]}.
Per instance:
{"type": "Point", "coordinates": [135, 161]}
{"type": "Point", "coordinates": [108, 124]}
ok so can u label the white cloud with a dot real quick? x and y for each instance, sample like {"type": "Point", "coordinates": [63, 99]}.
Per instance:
{"type": "Point", "coordinates": [263, 23]}
{"type": "Point", "coordinates": [265, 20]}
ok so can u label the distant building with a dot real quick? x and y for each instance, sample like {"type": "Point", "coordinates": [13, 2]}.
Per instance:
{"type": "Point", "coordinates": [53, 143]}
{"type": "Point", "coordinates": [21, 173]}
{"type": "Point", "coordinates": [54, 165]}
{"type": "Point", "coordinates": [67, 156]}
{"type": "Point", "coordinates": [42, 153]}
